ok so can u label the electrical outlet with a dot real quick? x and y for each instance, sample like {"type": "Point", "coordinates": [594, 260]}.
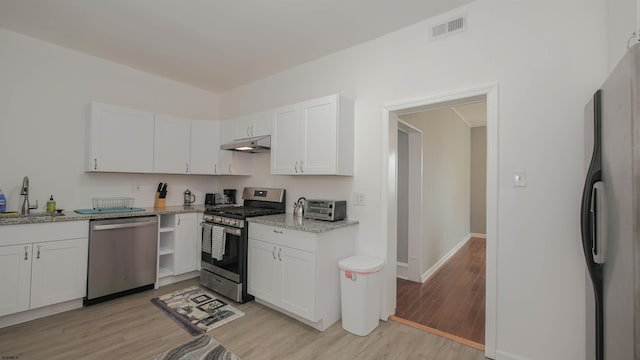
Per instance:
{"type": "Point", "coordinates": [136, 189]}
{"type": "Point", "coordinates": [359, 198]}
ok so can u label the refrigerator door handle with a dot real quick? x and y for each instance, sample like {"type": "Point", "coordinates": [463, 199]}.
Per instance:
{"type": "Point", "coordinates": [598, 223]}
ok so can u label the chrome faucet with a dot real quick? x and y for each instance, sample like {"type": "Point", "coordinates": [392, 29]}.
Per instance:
{"type": "Point", "coordinates": [26, 208]}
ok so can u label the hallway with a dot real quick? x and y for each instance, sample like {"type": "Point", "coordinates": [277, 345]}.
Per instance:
{"type": "Point", "coordinates": [452, 300]}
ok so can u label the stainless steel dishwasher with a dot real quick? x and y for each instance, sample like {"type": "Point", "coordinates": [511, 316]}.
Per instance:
{"type": "Point", "coordinates": [123, 256]}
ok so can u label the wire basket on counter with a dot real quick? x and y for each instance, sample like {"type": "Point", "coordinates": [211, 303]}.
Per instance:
{"type": "Point", "coordinates": [112, 203]}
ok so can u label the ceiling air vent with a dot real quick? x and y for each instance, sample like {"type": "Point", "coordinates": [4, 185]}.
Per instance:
{"type": "Point", "coordinates": [448, 28]}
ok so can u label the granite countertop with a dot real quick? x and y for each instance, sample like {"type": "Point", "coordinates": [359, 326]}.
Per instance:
{"type": "Point", "coordinates": [309, 225]}
{"type": "Point", "coordinates": [70, 215]}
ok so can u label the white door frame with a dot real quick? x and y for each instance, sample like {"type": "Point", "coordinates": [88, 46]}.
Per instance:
{"type": "Point", "coordinates": [415, 174]}
{"type": "Point", "coordinates": [389, 197]}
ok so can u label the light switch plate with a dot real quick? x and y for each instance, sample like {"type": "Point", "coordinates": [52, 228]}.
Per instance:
{"type": "Point", "coordinates": [520, 178]}
{"type": "Point", "coordinates": [359, 198]}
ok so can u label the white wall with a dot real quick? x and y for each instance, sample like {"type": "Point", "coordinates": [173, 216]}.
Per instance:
{"type": "Point", "coordinates": [446, 181]}
{"type": "Point", "coordinates": [622, 21]}
{"type": "Point", "coordinates": [44, 95]}
{"type": "Point", "coordinates": [478, 220]}
{"type": "Point", "coordinates": [547, 57]}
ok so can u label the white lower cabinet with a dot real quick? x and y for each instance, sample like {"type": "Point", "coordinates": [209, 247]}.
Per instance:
{"type": "Point", "coordinates": [178, 247]}
{"type": "Point", "coordinates": [297, 272]}
{"type": "Point", "coordinates": [186, 244]}
{"type": "Point", "coordinates": [35, 272]}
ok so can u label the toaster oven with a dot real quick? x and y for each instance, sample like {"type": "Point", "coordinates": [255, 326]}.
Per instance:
{"type": "Point", "coordinates": [329, 210]}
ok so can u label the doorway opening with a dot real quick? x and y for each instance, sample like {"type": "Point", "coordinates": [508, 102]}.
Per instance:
{"type": "Point", "coordinates": [445, 252]}
{"type": "Point", "coordinates": [392, 123]}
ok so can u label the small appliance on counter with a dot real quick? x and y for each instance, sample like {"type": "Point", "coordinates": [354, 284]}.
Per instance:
{"type": "Point", "coordinates": [189, 198]}
{"type": "Point", "coordinates": [328, 210]}
{"type": "Point", "coordinates": [231, 195]}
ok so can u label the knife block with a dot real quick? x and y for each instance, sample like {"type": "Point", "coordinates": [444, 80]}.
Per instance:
{"type": "Point", "coordinates": [158, 202]}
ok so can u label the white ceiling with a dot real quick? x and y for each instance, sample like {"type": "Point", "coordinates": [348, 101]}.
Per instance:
{"type": "Point", "coordinates": [474, 114]}
{"type": "Point", "coordinates": [213, 44]}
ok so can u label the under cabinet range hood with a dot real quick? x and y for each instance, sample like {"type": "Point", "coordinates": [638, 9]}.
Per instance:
{"type": "Point", "coordinates": [258, 144]}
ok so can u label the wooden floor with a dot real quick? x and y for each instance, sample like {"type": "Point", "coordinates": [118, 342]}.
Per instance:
{"type": "Point", "coordinates": [133, 328]}
{"type": "Point", "coordinates": [453, 299]}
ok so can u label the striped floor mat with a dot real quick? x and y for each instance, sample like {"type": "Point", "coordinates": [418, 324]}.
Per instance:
{"type": "Point", "coordinates": [203, 347]}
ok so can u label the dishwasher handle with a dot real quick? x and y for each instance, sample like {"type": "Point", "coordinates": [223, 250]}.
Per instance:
{"type": "Point", "coordinates": [123, 226]}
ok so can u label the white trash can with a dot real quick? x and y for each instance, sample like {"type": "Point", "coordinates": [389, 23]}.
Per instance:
{"type": "Point", "coordinates": [361, 290]}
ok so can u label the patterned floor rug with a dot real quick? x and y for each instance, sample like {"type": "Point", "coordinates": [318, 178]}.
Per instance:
{"type": "Point", "coordinates": [201, 348]}
{"type": "Point", "coordinates": [196, 310]}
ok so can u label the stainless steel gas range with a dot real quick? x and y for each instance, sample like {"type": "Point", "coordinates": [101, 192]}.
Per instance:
{"type": "Point", "coordinates": [225, 240]}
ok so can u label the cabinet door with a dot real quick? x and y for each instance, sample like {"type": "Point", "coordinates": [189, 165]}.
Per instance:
{"type": "Point", "coordinates": [171, 145]}
{"type": "Point", "coordinates": [15, 278]}
{"type": "Point", "coordinates": [225, 157]}
{"type": "Point", "coordinates": [120, 139]}
{"type": "Point", "coordinates": [205, 146]}
{"type": "Point", "coordinates": [319, 136]}
{"type": "Point", "coordinates": [262, 276]}
{"type": "Point", "coordinates": [242, 127]}
{"type": "Point", "coordinates": [298, 278]}
{"type": "Point", "coordinates": [285, 141]}
{"type": "Point", "coordinates": [263, 123]}
{"type": "Point", "coordinates": [186, 244]}
{"type": "Point", "coordinates": [59, 271]}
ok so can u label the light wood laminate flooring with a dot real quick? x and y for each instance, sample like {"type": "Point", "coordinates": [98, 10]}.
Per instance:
{"type": "Point", "coordinates": [133, 328]}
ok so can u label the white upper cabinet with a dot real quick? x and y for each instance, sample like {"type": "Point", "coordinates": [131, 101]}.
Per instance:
{"type": "Point", "coordinates": [314, 137]}
{"type": "Point", "coordinates": [232, 162]}
{"type": "Point", "coordinates": [205, 147]}
{"type": "Point", "coordinates": [172, 138]}
{"type": "Point", "coordinates": [119, 139]}
{"type": "Point", "coordinates": [286, 140]}
{"type": "Point", "coordinates": [253, 125]}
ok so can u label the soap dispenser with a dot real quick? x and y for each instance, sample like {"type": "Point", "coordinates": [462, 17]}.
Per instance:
{"type": "Point", "coordinates": [51, 205]}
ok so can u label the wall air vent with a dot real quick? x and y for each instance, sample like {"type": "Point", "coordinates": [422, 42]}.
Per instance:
{"type": "Point", "coordinates": [449, 27]}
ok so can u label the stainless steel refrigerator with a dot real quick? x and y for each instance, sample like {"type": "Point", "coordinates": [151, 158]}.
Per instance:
{"type": "Point", "coordinates": [609, 214]}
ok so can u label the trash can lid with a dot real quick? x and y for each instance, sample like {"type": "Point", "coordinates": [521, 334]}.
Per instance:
{"type": "Point", "coordinates": [360, 263]}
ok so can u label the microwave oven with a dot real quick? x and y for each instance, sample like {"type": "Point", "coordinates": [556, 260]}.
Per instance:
{"type": "Point", "coordinates": [329, 210]}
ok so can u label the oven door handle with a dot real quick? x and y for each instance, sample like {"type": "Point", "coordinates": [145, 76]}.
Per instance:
{"type": "Point", "coordinates": [227, 230]}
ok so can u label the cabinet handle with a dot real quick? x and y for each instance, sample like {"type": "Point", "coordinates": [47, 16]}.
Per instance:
{"type": "Point", "coordinates": [95, 163]}
{"type": "Point", "coordinates": [301, 171]}
{"type": "Point", "coordinates": [26, 252]}
{"type": "Point", "coordinates": [229, 168]}
{"type": "Point", "coordinates": [279, 251]}
{"type": "Point", "coordinates": [179, 221]}
{"type": "Point", "coordinates": [215, 168]}
{"type": "Point", "coordinates": [38, 257]}
{"type": "Point", "coordinates": [187, 168]}
{"type": "Point", "coordinates": [273, 253]}
{"type": "Point", "coordinates": [277, 231]}
{"type": "Point", "coordinates": [296, 167]}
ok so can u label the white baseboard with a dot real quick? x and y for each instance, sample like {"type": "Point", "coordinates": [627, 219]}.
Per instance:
{"type": "Point", "coordinates": [503, 355]}
{"type": "Point", "coordinates": [402, 271]}
{"type": "Point", "coordinates": [432, 270]}
{"type": "Point", "coordinates": [29, 315]}
{"type": "Point", "coordinates": [176, 278]}
{"type": "Point", "coordinates": [478, 235]}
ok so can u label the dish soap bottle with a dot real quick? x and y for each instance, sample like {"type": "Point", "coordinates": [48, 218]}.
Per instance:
{"type": "Point", "coordinates": [51, 205]}
{"type": "Point", "coordinates": [3, 202]}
